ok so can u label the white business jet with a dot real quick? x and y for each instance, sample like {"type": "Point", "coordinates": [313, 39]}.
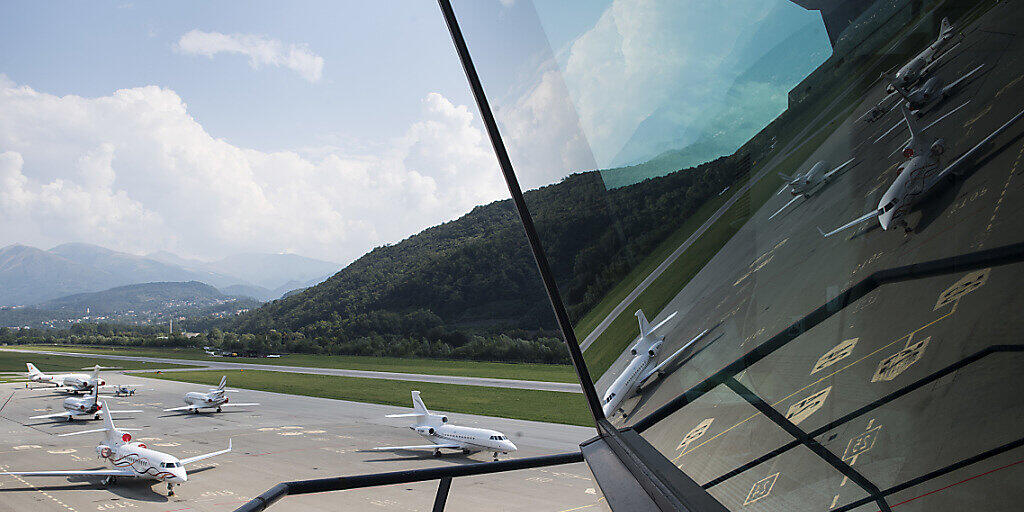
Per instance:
{"type": "Point", "coordinates": [75, 408]}
{"type": "Point", "coordinates": [213, 399]}
{"type": "Point", "coordinates": [921, 171]}
{"type": "Point", "coordinates": [801, 186]}
{"type": "Point", "coordinates": [74, 382]}
{"type": "Point", "coordinates": [636, 372]}
{"type": "Point", "coordinates": [435, 428]}
{"type": "Point", "coordinates": [131, 459]}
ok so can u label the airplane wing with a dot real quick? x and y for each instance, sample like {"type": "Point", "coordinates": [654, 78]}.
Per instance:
{"type": "Point", "coordinates": [240, 405]}
{"type": "Point", "coordinates": [852, 223]}
{"type": "Point", "coordinates": [929, 125]}
{"type": "Point", "coordinates": [182, 408]}
{"type": "Point", "coordinates": [971, 153]}
{"type": "Point", "coordinates": [418, 447]}
{"type": "Point", "coordinates": [831, 173]}
{"type": "Point", "coordinates": [198, 458]}
{"type": "Point", "coordinates": [125, 412]}
{"type": "Point", "coordinates": [403, 415]}
{"type": "Point", "coordinates": [64, 414]}
{"type": "Point", "coordinates": [663, 322]}
{"type": "Point", "coordinates": [947, 89]}
{"type": "Point", "coordinates": [925, 71]}
{"type": "Point", "coordinates": [672, 357]}
{"type": "Point", "coordinates": [87, 472]}
{"type": "Point", "coordinates": [791, 201]}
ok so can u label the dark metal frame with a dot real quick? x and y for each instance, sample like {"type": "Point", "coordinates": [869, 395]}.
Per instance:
{"type": "Point", "coordinates": [632, 474]}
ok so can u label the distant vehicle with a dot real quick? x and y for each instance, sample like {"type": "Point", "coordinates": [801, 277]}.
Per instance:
{"type": "Point", "coordinates": [923, 63]}
{"type": "Point", "coordinates": [435, 428]}
{"type": "Point", "coordinates": [932, 91]}
{"type": "Point", "coordinates": [131, 459]}
{"type": "Point", "coordinates": [802, 185]}
{"type": "Point", "coordinates": [213, 399]}
{"type": "Point", "coordinates": [74, 382]}
{"type": "Point", "coordinates": [636, 372]}
{"type": "Point", "coordinates": [75, 408]}
{"type": "Point", "coordinates": [918, 175]}
{"type": "Point", "coordinates": [124, 390]}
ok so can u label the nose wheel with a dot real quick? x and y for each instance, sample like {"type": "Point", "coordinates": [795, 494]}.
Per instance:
{"type": "Point", "coordinates": [107, 480]}
{"type": "Point", "coordinates": [170, 489]}
{"type": "Point", "coordinates": [495, 456]}
{"type": "Point", "coordinates": [218, 409]}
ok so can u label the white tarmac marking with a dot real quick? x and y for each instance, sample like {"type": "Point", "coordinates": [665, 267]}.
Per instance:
{"type": "Point", "coordinates": [761, 489]}
{"type": "Point", "coordinates": [890, 367]}
{"type": "Point", "coordinates": [837, 353]}
{"type": "Point", "coordinates": [806, 407]}
{"type": "Point", "coordinates": [695, 433]}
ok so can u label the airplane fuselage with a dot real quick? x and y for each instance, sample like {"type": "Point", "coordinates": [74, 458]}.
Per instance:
{"type": "Point", "coordinates": [199, 400]}
{"type": "Point", "coordinates": [470, 439]}
{"type": "Point", "coordinates": [144, 462]}
{"type": "Point", "coordinates": [916, 177]}
{"type": "Point", "coordinates": [803, 185]}
{"type": "Point", "coordinates": [625, 385]}
{"type": "Point", "coordinates": [82, 406]}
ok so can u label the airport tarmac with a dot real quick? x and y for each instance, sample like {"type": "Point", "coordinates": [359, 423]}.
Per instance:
{"type": "Point", "coordinates": [286, 438]}
{"type": "Point", "coordinates": [565, 387]}
{"type": "Point", "coordinates": [772, 273]}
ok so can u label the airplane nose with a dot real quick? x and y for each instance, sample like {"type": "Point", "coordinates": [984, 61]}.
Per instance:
{"type": "Point", "coordinates": [181, 477]}
{"type": "Point", "coordinates": [508, 446]}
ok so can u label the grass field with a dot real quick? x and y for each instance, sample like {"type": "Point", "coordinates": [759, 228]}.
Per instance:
{"type": "Point", "coordinates": [547, 406]}
{"type": "Point", "coordinates": [522, 371]}
{"type": "Point", "coordinates": [15, 362]}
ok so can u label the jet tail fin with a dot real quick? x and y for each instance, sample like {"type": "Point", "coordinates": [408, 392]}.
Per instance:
{"type": "Point", "coordinates": [32, 370]}
{"type": "Point", "coordinates": [110, 431]}
{"type": "Point", "coordinates": [645, 326]}
{"type": "Point", "coordinates": [417, 404]}
{"type": "Point", "coordinates": [223, 382]}
{"type": "Point", "coordinates": [945, 27]}
{"type": "Point", "coordinates": [914, 126]}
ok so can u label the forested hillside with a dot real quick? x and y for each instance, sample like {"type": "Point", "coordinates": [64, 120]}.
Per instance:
{"type": "Point", "coordinates": [474, 279]}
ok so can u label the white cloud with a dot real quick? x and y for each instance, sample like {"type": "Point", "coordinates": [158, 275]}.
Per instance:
{"type": "Point", "coordinates": [134, 171]}
{"type": "Point", "coordinates": [261, 50]}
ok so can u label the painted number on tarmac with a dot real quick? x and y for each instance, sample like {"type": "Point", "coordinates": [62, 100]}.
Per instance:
{"type": "Point", "coordinates": [761, 488]}
{"type": "Point", "coordinates": [837, 353]}
{"type": "Point", "coordinates": [965, 285]}
{"type": "Point", "coordinates": [806, 407]}
{"type": "Point", "coordinates": [695, 433]}
{"type": "Point", "coordinates": [890, 367]}
{"type": "Point", "coordinates": [861, 443]}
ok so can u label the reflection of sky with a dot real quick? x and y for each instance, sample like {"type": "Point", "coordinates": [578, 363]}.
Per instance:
{"type": "Point", "coordinates": [639, 77]}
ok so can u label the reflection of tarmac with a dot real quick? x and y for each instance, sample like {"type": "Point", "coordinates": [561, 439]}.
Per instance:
{"type": "Point", "coordinates": [773, 273]}
{"type": "Point", "coordinates": [289, 438]}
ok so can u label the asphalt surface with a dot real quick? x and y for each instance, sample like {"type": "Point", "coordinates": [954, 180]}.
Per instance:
{"type": "Point", "coordinates": [286, 438]}
{"type": "Point", "coordinates": [775, 272]}
{"type": "Point", "coordinates": [567, 387]}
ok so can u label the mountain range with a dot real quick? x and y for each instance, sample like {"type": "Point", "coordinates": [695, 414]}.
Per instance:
{"type": "Point", "coordinates": [29, 275]}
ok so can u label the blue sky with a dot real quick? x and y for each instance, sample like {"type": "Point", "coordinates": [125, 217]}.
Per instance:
{"type": "Point", "coordinates": [328, 128]}
{"type": "Point", "coordinates": [380, 58]}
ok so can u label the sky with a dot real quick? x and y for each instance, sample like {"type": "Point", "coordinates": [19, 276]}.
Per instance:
{"type": "Point", "coordinates": [321, 128]}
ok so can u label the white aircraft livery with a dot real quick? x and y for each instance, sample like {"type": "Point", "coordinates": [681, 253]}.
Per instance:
{"type": "Point", "coordinates": [81, 407]}
{"type": "Point", "coordinates": [435, 428]}
{"type": "Point", "coordinates": [923, 63]}
{"type": "Point", "coordinates": [74, 382]}
{"type": "Point", "coordinates": [131, 459]}
{"type": "Point", "coordinates": [803, 185]}
{"type": "Point", "coordinates": [918, 174]}
{"type": "Point", "coordinates": [213, 399]}
{"type": "Point", "coordinates": [636, 372]}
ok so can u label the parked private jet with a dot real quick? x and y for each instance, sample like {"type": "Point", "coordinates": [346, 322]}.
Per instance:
{"type": "Point", "coordinates": [636, 372]}
{"type": "Point", "coordinates": [924, 62]}
{"type": "Point", "coordinates": [212, 399]}
{"type": "Point", "coordinates": [435, 428]}
{"type": "Point", "coordinates": [74, 382]}
{"type": "Point", "coordinates": [81, 408]}
{"type": "Point", "coordinates": [803, 185]}
{"type": "Point", "coordinates": [921, 171]}
{"type": "Point", "coordinates": [930, 92]}
{"type": "Point", "coordinates": [131, 459]}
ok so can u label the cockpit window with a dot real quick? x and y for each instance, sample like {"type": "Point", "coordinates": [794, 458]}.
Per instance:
{"type": "Point", "coordinates": [889, 206]}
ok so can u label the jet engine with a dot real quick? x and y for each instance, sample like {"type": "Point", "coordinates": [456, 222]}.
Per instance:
{"type": "Point", "coordinates": [653, 351]}
{"type": "Point", "coordinates": [938, 147]}
{"type": "Point", "coordinates": [444, 419]}
{"type": "Point", "coordinates": [103, 451]}
{"type": "Point", "coordinates": [425, 430]}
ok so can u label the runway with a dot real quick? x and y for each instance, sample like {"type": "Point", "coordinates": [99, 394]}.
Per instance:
{"type": "Point", "coordinates": [287, 438]}
{"type": "Point", "coordinates": [566, 387]}
{"type": "Point", "coordinates": [775, 272]}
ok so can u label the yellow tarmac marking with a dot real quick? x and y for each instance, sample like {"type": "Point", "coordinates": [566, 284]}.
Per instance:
{"type": "Point", "coordinates": [599, 500]}
{"type": "Point", "coordinates": [1006, 186]}
{"type": "Point", "coordinates": [44, 493]}
{"type": "Point", "coordinates": [1008, 85]}
{"type": "Point", "coordinates": [791, 395]}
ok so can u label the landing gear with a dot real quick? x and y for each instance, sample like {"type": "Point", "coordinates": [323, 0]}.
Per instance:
{"type": "Point", "coordinates": [218, 409]}
{"type": "Point", "coordinates": [437, 453]}
{"type": "Point", "coordinates": [72, 418]}
{"type": "Point", "coordinates": [495, 456]}
{"type": "Point", "coordinates": [170, 489]}
{"type": "Point", "coordinates": [107, 480]}
{"type": "Point", "coordinates": [96, 417]}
